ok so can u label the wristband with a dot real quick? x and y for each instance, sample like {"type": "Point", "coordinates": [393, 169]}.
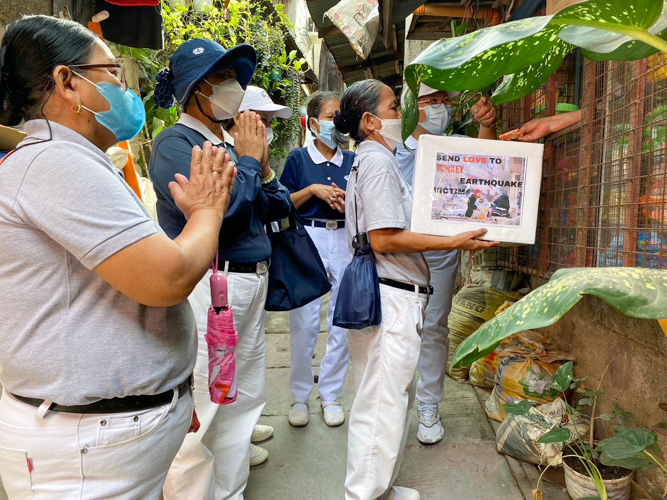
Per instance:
{"type": "Point", "coordinates": [269, 179]}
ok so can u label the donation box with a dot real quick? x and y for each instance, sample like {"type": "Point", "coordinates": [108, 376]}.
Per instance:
{"type": "Point", "coordinates": [463, 184]}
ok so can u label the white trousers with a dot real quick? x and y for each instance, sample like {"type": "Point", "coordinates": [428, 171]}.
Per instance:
{"type": "Point", "coordinates": [89, 456]}
{"type": "Point", "coordinates": [435, 337]}
{"type": "Point", "coordinates": [304, 325]}
{"type": "Point", "coordinates": [214, 462]}
{"type": "Point", "coordinates": [384, 360]}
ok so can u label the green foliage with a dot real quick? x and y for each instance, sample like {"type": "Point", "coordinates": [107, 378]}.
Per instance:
{"type": "Point", "coordinates": [636, 292]}
{"type": "Point", "coordinates": [556, 436]}
{"type": "Point", "coordinates": [520, 408]}
{"type": "Point", "coordinates": [530, 50]}
{"type": "Point", "coordinates": [628, 448]}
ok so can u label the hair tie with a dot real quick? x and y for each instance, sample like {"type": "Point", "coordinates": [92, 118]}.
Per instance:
{"type": "Point", "coordinates": [163, 95]}
{"type": "Point", "coordinates": [341, 123]}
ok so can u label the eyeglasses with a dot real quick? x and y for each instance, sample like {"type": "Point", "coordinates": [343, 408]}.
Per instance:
{"type": "Point", "coordinates": [116, 69]}
{"type": "Point", "coordinates": [434, 103]}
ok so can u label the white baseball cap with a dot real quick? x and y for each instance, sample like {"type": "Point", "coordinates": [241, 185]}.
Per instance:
{"type": "Point", "coordinates": [426, 90]}
{"type": "Point", "coordinates": [256, 99]}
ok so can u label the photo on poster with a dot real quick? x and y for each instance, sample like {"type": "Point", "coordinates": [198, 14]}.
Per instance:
{"type": "Point", "coordinates": [478, 188]}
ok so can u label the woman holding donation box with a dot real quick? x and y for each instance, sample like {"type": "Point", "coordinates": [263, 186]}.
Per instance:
{"type": "Point", "coordinates": [384, 357]}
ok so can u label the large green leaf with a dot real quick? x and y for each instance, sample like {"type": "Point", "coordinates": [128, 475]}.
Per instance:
{"type": "Point", "coordinates": [610, 29]}
{"type": "Point", "coordinates": [528, 51]}
{"type": "Point", "coordinates": [628, 444]}
{"type": "Point", "coordinates": [637, 292]}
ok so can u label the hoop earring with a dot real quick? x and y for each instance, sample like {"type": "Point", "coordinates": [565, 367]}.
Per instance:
{"type": "Point", "coordinates": [78, 108]}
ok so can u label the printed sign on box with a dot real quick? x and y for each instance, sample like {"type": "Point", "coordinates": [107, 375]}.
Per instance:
{"type": "Point", "coordinates": [463, 184]}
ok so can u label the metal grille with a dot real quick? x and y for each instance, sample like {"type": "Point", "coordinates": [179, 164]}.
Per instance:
{"type": "Point", "coordinates": [604, 188]}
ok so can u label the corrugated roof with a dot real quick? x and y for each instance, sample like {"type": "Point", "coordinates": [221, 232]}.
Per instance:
{"type": "Point", "coordinates": [382, 60]}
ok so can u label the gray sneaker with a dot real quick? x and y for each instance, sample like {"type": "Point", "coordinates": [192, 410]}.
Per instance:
{"type": "Point", "coordinates": [430, 427]}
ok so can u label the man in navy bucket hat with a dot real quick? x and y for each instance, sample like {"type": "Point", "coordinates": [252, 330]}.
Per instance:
{"type": "Point", "coordinates": [209, 83]}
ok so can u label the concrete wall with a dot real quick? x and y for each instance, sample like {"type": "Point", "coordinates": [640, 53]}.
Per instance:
{"type": "Point", "coordinates": [413, 47]}
{"type": "Point", "coordinates": [11, 10]}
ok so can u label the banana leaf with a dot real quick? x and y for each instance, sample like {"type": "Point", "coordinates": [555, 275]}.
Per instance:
{"type": "Point", "coordinates": [527, 52]}
{"type": "Point", "coordinates": [636, 292]}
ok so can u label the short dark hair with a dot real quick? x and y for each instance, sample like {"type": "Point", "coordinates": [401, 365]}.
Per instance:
{"type": "Point", "coordinates": [357, 99]}
{"type": "Point", "coordinates": [317, 101]}
{"type": "Point", "coordinates": [32, 47]}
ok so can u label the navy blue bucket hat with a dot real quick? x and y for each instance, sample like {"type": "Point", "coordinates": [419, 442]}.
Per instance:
{"type": "Point", "coordinates": [195, 59]}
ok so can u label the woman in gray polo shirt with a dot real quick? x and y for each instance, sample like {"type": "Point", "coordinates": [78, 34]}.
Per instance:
{"type": "Point", "coordinates": [98, 340]}
{"type": "Point", "coordinates": [384, 357]}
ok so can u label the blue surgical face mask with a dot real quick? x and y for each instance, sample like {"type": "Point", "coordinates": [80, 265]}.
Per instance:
{"type": "Point", "coordinates": [326, 133]}
{"type": "Point", "coordinates": [437, 118]}
{"type": "Point", "coordinates": [126, 116]}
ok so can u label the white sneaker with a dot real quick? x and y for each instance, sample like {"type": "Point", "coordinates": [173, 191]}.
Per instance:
{"type": "Point", "coordinates": [298, 414]}
{"type": "Point", "coordinates": [261, 433]}
{"type": "Point", "coordinates": [430, 427]}
{"type": "Point", "coordinates": [258, 455]}
{"type": "Point", "coordinates": [333, 413]}
{"type": "Point", "coordinates": [401, 493]}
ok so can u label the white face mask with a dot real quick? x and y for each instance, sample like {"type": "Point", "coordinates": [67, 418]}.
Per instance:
{"type": "Point", "coordinates": [269, 135]}
{"type": "Point", "coordinates": [225, 99]}
{"type": "Point", "coordinates": [391, 131]}
{"type": "Point", "coordinates": [437, 118]}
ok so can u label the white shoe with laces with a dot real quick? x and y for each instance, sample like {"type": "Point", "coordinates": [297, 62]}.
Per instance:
{"type": "Point", "coordinates": [430, 427]}
{"type": "Point", "coordinates": [258, 455]}
{"type": "Point", "coordinates": [298, 415]}
{"type": "Point", "coordinates": [402, 493]}
{"type": "Point", "coordinates": [261, 433]}
{"type": "Point", "coordinates": [333, 413]}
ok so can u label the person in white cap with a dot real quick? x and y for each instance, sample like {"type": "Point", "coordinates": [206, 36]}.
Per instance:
{"type": "Point", "coordinates": [435, 114]}
{"type": "Point", "coordinates": [257, 99]}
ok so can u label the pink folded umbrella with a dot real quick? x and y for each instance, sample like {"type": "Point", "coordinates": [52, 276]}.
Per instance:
{"type": "Point", "coordinates": [221, 339]}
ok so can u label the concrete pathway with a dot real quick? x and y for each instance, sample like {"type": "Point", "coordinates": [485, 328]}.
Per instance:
{"type": "Point", "coordinates": [309, 463]}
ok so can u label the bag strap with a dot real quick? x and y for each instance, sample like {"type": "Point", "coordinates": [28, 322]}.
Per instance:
{"type": "Point", "coordinates": [356, 214]}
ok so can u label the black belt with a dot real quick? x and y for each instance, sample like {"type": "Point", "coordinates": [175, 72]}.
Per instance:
{"type": "Point", "coordinates": [116, 405]}
{"type": "Point", "coordinates": [243, 267]}
{"type": "Point", "coordinates": [427, 290]}
{"type": "Point", "coordinates": [332, 225]}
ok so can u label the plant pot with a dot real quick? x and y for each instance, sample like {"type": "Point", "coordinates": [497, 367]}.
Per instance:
{"type": "Point", "coordinates": [580, 486]}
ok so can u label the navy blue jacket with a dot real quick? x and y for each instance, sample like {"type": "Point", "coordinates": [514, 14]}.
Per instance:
{"type": "Point", "coordinates": [252, 205]}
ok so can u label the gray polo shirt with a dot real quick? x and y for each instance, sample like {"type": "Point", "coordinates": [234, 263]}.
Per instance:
{"type": "Point", "coordinates": [67, 335]}
{"type": "Point", "coordinates": [382, 200]}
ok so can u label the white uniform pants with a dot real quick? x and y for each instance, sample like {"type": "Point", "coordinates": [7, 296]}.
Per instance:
{"type": "Point", "coordinates": [214, 462]}
{"type": "Point", "coordinates": [384, 360]}
{"type": "Point", "coordinates": [78, 456]}
{"type": "Point", "coordinates": [435, 337]}
{"type": "Point", "coordinates": [304, 325]}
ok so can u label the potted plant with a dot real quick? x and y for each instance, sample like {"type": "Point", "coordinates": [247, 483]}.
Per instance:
{"type": "Point", "coordinates": [595, 470]}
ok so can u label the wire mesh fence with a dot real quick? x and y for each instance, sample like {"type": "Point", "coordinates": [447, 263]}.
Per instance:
{"type": "Point", "coordinates": [604, 187]}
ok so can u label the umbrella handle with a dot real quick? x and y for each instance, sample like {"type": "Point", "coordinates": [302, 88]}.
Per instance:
{"type": "Point", "coordinates": [219, 290]}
